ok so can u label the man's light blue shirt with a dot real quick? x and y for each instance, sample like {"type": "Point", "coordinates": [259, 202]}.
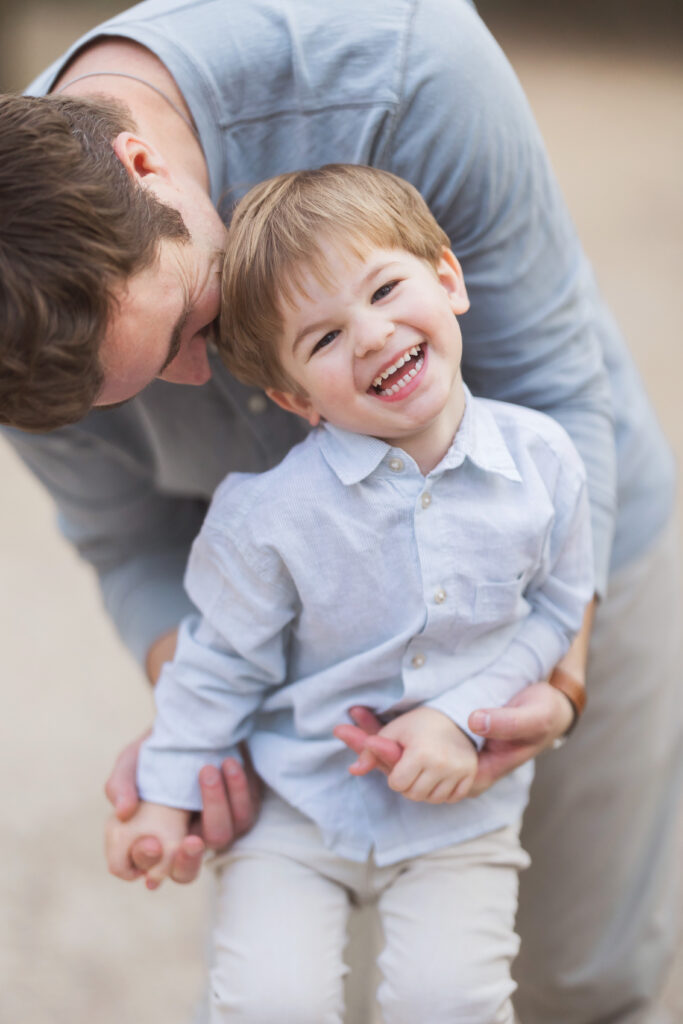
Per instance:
{"type": "Point", "coordinates": [344, 576]}
{"type": "Point", "coordinates": [420, 88]}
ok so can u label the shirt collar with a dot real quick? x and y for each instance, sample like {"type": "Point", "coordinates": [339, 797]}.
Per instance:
{"type": "Point", "coordinates": [479, 439]}
{"type": "Point", "coordinates": [353, 457]}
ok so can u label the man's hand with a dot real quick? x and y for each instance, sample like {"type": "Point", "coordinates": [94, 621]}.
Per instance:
{"type": "Point", "coordinates": [529, 724]}
{"type": "Point", "coordinates": [166, 827]}
{"type": "Point", "coordinates": [437, 763]}
{"type": "Point", "coordinates": [532, 721]}
{"type": "Point", "coordinates": [230, 799]}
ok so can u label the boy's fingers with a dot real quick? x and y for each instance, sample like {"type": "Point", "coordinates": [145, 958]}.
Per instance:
{"type": "Point", "coordinates": [145, 853]}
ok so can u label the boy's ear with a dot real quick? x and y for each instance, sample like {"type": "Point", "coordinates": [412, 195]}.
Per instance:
{"type": "Point", "coordinates": [298, 404]}
{"type": "Point", "coordinates": [451, 277]}
{"type": "Point", "coordinates": [140, 158]}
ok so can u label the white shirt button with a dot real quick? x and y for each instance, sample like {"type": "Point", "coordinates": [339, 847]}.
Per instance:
{"type": "Point", "coordinates": [426, 499]}
{"type": "Point", "coordinates": [396, 465]}
{"type": "Point", "coordinates": [257, 403]}
{"type": "Point", "coordinates": [440, 595]}
{"type": "Point", "coordinates": [418, 660]}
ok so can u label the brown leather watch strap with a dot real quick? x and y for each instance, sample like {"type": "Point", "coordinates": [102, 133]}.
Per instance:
{"type": "Point", "coordinates": [574, 691]}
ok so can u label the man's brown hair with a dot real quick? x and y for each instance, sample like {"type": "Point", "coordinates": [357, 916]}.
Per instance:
{"type": "Point", "coordinates": [73, 226]}
{"type": "Point", "coordinates": [286, 225]}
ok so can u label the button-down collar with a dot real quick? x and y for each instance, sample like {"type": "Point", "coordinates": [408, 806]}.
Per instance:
{"type": "Point", "coordinates": [353, 457]}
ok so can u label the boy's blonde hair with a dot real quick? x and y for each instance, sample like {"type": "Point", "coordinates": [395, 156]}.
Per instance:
{"type": "Point", "coordinates": [285, 226]}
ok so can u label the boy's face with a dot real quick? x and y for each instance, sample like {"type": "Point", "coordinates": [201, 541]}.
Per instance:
{"type": "Point", "coordinates": [379, 351]}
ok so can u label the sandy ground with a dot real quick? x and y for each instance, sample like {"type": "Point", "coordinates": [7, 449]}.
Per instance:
{"type": "Point", "coordinates": [77, 946]}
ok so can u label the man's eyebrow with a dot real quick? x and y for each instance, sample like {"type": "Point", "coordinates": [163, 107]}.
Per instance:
{"type": "Point", "coordinates": [175, 339]}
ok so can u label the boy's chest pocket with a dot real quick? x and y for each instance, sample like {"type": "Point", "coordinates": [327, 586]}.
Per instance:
{"type": "Point", "coordinates": [499, 602]}
{"type": "Point", "coordinates": [485, 606]}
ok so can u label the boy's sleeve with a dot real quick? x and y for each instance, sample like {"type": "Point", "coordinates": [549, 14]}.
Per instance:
{"type": "Point", "coordinates": [226, 661]}
{"type": "Point", "coordinates": [465, 136]}
{"type": "Point", "coordinates": [557, 595]}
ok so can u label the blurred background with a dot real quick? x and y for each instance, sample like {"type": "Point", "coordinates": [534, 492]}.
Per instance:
{"type": "Point", "coordinates": [605, 79]}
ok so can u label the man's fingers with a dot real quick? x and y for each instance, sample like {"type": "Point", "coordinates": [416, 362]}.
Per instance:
{"type": "Point", "coordinates": [353, 736]}
{"type": "Point", "coordinates": [495, 762]}
{"type": "Point", "coordinates": [217, 824]}
{"type": "Point", "coordinates": [187, 860]}
{"type": "Point", "coordinates": [525, 724]}
{"type": "Point", "coordinates": [120, 788]}
{"type": "Point", "coordinates": [365, 764]}
{"type": "Point", "coordinates": [365, 719]}
{"type": "Point", "coordinates": [243, 792]}
{"type": "Point", "coordinates": [385, 750]}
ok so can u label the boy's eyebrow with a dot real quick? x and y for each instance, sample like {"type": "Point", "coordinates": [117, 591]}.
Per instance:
{"type": "Point", "coordinates": [308, 329]}
{"type": "Point", "coordinates": [378, 268]}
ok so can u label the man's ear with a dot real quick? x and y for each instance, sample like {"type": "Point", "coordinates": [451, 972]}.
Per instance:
{"type": "Point", "coordinates": [451, 277]}
{"type": "Point", "coordinates": [140, 158]}
{"type": "Point", "coordinates": [298, 404]}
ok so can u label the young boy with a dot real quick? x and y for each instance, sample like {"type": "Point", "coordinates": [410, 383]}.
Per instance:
{"type": "Point", "coordinates": [422, 553]}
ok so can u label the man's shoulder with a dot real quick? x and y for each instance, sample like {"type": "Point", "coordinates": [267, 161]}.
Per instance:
{"type": "Point", "coordinates": [535, 433]}
{"type": "Point", "coordinates": [287, 490]}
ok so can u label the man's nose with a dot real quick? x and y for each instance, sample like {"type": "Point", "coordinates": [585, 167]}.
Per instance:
{"type": "Point", "coordinates": [191, 365]}
{"type": "Point", "coordinates": [373, 330]}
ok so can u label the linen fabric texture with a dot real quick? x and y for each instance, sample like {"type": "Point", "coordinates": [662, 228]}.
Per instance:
{"type": "Point", "coordinates": [329, 582]}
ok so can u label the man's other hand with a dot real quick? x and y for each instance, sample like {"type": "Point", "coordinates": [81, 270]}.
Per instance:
{"type": "Point", "coordinates": [230, 800]}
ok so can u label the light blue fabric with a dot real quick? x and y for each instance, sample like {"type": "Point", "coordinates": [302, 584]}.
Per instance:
{"type": "Point", "coordinates": [342, 577]}
{"type": "Point", "coordinates": [421, 88]}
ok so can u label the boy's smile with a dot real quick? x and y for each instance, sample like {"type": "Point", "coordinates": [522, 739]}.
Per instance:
{"type": "Point", "coordinates": [373, 346]}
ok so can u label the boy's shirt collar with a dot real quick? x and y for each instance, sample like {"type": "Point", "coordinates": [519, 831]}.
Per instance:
{"type": "Point", "coordinates": [353, 457]}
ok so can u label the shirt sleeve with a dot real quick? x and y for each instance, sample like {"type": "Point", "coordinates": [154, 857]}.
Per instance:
{"type": "Point", "coordinates": [136, 537]}
{"type": "Point", "coordinates": [557, 596]}
{"type": "Point", "coordinates": [226, 662]}
{"type": "Point", "coordinates": [465, 136]}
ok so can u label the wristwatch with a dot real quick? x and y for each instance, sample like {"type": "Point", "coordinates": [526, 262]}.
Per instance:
{"type": "Point", "coordinates": [575, 692]}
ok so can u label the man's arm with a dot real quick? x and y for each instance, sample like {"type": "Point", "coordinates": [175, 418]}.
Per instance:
{"type": "Point", "coordinates": [464, 135]}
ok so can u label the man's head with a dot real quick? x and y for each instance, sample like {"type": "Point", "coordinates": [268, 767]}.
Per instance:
{"type": "Point", "coordinates": [75, 227]}
{"type": "Point", "coordinates": [339, 295]}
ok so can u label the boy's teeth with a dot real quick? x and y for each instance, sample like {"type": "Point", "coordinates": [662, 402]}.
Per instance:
{"type": "Point", "coordinates": [378, 381]}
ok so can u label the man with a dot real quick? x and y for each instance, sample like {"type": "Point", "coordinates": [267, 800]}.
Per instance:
{"type": "Point", "coordinates": [218, 97]}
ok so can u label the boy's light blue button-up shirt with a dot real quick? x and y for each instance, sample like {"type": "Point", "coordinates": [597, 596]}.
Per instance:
{"type": "Point", "coordinates": [344, 576]}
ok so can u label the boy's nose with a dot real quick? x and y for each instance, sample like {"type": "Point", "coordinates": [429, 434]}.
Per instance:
{"type": "Point", "coordinates": [372, 334]}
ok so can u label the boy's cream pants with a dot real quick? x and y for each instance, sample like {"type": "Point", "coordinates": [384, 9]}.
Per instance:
{"type": "Point", "coordinates": [283, 903]}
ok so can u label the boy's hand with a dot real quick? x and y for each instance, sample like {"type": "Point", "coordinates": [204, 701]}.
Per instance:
{"type": "Point", "coordinates": [165, 828]}
{"type": "Point", "coordinates": [438, 762]}
{"type": "Point", "coordinates": [230, 799]}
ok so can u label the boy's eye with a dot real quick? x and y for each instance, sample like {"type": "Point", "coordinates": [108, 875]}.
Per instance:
{"type": "Point", "coordinates": [382, 292]}
{"type": "Point", "coordinates": [326, 340]}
